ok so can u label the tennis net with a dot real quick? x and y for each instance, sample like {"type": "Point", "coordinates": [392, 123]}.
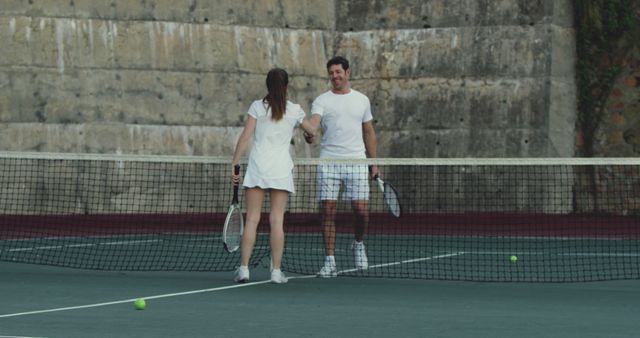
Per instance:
{"type": "Point", "coordinates": [548, 220]}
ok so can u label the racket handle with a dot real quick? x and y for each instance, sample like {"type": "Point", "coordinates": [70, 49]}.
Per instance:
{"type": "Point", "coordinates": [380, 183]}
{"type": "Point", "coordinates": [236, 170]}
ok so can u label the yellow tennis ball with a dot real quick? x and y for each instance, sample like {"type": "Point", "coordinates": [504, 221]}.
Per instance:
{"type": "Point", "coordinates": [514, 259]}
{"type": "Point", "coordinates": [140, 304]}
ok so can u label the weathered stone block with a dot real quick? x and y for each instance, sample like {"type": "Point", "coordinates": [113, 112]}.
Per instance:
{"type": "Point", "coordinates": [434, 70]}
{"type": "Point", "coordinates": [305, 14]}
{"type": "Point", "coordinates": [355, 15]}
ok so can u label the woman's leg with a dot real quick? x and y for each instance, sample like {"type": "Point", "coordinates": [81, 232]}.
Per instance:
{"type": "Point", "coordinates": [255, 197]}
{"type": "Point", "coordinates": [276, 220]}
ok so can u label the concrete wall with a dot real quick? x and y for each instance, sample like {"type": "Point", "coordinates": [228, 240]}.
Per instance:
{"type": "Point", "coordinates": [619, 131]}
{"type": "Point", "coordinates": [446, 79]}
{"type": "Point", "coordinates": [465, 78]}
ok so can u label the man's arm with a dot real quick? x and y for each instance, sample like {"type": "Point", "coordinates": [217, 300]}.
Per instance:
{"type": "Point", "coordinates": [310, 126]}
{"type": "Point", "coordinates": [370, 144]}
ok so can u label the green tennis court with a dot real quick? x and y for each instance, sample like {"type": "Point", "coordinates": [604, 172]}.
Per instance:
{"type": "Point", "coordinates": [81, 237]}
{"type": "Point", "coordinates": [200, 304]}
{"type": "Point", "coordinates": [431, 257]}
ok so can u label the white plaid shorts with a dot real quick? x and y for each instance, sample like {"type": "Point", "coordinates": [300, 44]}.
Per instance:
{"type": "Point", "coordinates": [354, 177]}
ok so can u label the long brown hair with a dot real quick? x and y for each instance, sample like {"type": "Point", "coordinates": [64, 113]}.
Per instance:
{"type": "Point", "coordinates": [277, 81]}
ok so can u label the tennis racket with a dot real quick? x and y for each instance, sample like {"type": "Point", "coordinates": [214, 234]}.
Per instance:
{"type": "Point", "coordinates": [233, 224]}
{"type": "Point", "coordinates": [390, 196]}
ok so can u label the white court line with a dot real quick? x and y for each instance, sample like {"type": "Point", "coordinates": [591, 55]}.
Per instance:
{"type": "Point", "coordinates": [218, 288]}
{"type": "Point", "coordinates": [601, 254]}
{"type": "Point", "coordinates": [134, 299]}
{"type": "Point", "coordinates": [407, 261]}
{"type": "Point", "coordinates": [37, 248]}
{"type": "Point", "coordinates": [542, 253]}
{"type": "Point", "coordinates": [131, 242]}
{"type": "Point", "coordinates": [53, 247]}
{"type": "Point", "coordinates": [299, 249]}
{"type": "Point", "coordinates": [50, 247]}
{"type": "Point", "coordinates": [19, 337]}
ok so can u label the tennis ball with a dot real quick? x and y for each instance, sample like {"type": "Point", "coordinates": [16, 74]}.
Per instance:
{"type": "Point", "coordinates": [514, 259]}
{"type": "Point", "coordinates": [140, 304]}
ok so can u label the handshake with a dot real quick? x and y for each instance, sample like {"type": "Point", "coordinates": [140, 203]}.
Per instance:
{"type": "Point", "coordinates": [309, 137]}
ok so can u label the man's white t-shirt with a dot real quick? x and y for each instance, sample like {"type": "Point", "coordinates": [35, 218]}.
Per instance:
{"type": "Point", "coordinates": [342, 118]}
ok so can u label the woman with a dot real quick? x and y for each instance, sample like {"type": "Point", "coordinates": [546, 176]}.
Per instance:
{"type": "Point", "coordinates": [271, 122]}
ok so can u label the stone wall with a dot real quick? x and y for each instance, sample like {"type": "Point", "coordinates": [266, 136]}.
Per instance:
{"type": "Point", "coordinates": [446, 79]}
{"type": "Point", "coordinates": [619, 132]}
{"type": "Point", "coordinates": [469, 78]}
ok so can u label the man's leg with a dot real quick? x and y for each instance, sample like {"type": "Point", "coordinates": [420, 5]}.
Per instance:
{"type": "Point", "coordinates": [357, 189]}
{"type": "Point", "coordinates": [361, 211]}
{"type": "Point", "coordinates": [329, 189]}
{"type": "Point", "coordinates": [329, 268]}
{"type": "Point", "coordinates": [329, 226]}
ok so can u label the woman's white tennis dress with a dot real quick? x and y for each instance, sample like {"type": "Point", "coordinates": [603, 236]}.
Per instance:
{"type": "Point", "coordinates": [270, 164]}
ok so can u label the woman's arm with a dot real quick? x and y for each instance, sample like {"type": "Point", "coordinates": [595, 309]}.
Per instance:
{"type": "Point", "coordinates": [241, 146]}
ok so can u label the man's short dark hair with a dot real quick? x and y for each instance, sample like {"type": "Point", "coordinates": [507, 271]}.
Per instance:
{"type": "Point", "coordinates": [338, 60]}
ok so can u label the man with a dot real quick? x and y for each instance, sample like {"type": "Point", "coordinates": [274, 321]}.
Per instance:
{"type": "Point", "coordinates": [347, 132]}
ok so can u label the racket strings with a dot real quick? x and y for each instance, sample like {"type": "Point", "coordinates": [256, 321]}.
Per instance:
{"type": "Point", "coordinates": [391, 200]}
{"type": "Point", "coordinates": [233, 229]}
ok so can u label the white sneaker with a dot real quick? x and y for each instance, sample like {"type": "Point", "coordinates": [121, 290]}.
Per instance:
{"type": "Point", "coordinates": [277, 276]}
{"type": "Point", "coordinates": [242, 275]}
{"type": "Point", "coordinates": [360, 255]}
{"type": "Point", "coordinates": [329, 270]}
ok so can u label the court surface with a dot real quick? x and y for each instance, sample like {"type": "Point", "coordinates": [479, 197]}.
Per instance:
{"type": "Point", "coordinates": [43, 301]}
